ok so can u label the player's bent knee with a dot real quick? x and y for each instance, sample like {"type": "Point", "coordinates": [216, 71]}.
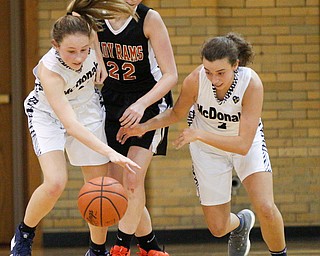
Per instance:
{"type": "Point", "coordinates": [217, 230]}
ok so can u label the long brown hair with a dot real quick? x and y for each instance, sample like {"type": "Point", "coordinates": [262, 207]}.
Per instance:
{"type": "Point", "coordinates": [232, 46]}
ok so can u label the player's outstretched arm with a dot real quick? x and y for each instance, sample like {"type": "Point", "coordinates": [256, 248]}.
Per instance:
{"type": "Point", "coordinates": [186, 99]}
{"type": "Point", "coordinates": [53, 85]}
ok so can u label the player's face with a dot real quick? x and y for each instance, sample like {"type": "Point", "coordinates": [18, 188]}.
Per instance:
{"type": "Point", "coordinates": [74, 50]}
{"type": "Point", "coordinates": [220, 73]}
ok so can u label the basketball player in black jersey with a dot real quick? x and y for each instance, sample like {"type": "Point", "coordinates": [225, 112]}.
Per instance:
{"type": "Point", "coordinates": [141, 72]}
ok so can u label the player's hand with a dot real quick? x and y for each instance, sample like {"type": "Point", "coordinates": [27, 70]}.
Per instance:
{"type": "Point", "coordinates": [132, 115]}
{"type": "Point", "coordinates": [188, 135]}
{"type": "Point", "coordinates": [125, 133]}
{"type": "Point", "coordinates": [123, 161]}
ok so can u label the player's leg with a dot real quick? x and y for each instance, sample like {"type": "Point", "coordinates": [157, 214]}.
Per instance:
{"type": "Point", "coordinates": [255, 172]}
{"type": "Point", "coordinates": [147, 240]}
{"type": "Point", "coordinates": [123, 240]}
{"type": "Point", "coordinates": [219, 219]}
{"type": "Point", "coordinates": [53, 165]}
{"type": "Point", "coordinates": [148, 243]}
{"type": "Point", "coordinates": [260, 190]}
{"type": "Point", "coordinates": [213, 179]}
{"type": "Point", "coordinates": [144, 227]}
{"type": "Point", "coordinates": [212, 174]}
{"type": "Point", "coordinates": [136, 220]}
{"type": "Point", "coordinates": [145, 224]}
{"type": "Point", "coordinates": [98, 235]}
{"type": "Point", "coordinates": [128, 225]}
{"type": "Point", "coordinates": [137, 198]}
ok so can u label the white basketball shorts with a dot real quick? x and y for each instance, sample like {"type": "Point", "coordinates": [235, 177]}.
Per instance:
{"type": "Point", "coordinates": [48, 134]}
{"type": "Point", "coordinates": [212, 170]}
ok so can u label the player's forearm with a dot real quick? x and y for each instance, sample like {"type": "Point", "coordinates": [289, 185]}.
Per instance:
{"type": "Point", "coordinates": [82, 134]}
{"type": "Point", "coordinates": [164, 119]}
{"type": "Point", "coordinates": [164, 85]}
{"type": "Point", "coordinates": [234, 144]}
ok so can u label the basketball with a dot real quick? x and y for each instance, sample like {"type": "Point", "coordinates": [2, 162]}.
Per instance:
{"type": "Point", "coordinates": [102, 201]}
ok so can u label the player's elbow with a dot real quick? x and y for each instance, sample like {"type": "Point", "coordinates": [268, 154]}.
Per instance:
{"type": "Point", "coordinates": [175, 116]}
{"type": "Point", "coordinates": [244, 149]}
{"type": "Point", "coordinates": [70, 128]}
{"type": "Point", "coordinates": [175, 77]}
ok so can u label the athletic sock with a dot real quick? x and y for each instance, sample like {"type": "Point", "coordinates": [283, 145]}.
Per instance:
{"type": "Point", "coordinates": [281, 253]}
{"type": "Point", "coordinates": [239, 228]}
{"type": "Point", "coordinates": [124, 239]}
{"type": "Point", "coordinates": [149, 242]}
{"type": "Point", "coordinates": [24, 228]}
{"type": "Point", "coordinates": [97, 249]}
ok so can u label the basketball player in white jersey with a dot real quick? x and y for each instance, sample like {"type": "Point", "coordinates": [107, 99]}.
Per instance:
{"type": "Point", "coordinates": [65, 112]}
{"type": "Point", "coordinates": [226, 133]}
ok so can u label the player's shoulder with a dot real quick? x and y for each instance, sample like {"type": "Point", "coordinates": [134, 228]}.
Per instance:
{"type": "Point", "coordinates": [255, 79]}
{"type": "Point", "coordinates": [191, 82]}
{"type": "Point", "coordinates": [193, 77]}
{"type": "Point", "coordinates": [153, 16]}
{"type": "Point", "coordinates": [251, 75]}
{"type": "Point", "coordinates": [153, 24]}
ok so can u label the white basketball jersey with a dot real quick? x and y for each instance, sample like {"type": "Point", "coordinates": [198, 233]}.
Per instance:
{"type": "Point", "coordinates": [79, 87]}
{"type": "Point", "coordinates": [221, 117]}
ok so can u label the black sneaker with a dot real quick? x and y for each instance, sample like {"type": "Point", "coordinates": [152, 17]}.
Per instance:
{"type": "Point", "coordinates": [239, 243]}
{"type": "Point", "coordinates": [21, 243]}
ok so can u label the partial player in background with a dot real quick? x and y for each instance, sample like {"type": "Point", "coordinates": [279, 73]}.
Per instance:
{"type": "Point", "coordinates": [65, 112]}
{"type": "Point", "coordinates": [141, 72]}
{"type": "Point", "coordinates": [226, 133]}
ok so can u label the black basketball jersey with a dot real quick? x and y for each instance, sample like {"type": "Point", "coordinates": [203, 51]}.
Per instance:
{"type": "Point", "coordinates": [128, 56]}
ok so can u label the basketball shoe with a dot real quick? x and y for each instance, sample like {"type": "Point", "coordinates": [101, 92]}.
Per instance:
{"type": "Point", "coordinates": [91, 253]}
{"type": "Point", "coordinates": [239, 243]}
{"type": "Point", "coordinates": [21, 243]}
{"type": "Point", "coordinates": [119, 251]}
{"type": "Point", "coordinates": [151, 253]}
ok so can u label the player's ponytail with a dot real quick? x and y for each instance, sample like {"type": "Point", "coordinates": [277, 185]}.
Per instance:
{"type": "Point", "coordinates": [83, 16]}
{"type": "Point", "coordinates": [93, 10]}
{"type": "Point", "coordinates": [245, 54]}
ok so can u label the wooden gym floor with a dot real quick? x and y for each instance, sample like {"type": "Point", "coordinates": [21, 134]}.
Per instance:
{"type": "Point", "coordinates": [295, 247]}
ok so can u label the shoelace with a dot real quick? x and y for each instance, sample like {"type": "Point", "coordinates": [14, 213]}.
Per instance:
{"type": "Point", "coordinates": [238, 238]}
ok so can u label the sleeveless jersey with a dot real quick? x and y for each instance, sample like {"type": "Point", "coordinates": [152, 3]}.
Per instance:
{"type": "Point", "coordinates": [79, 87]}
{"type": "Point", "coordinates": [221, 117]}
{"type": "Point", "coordinates": [128, 55]}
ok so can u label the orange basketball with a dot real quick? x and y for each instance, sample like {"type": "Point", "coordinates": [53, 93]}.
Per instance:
{"type": "Point", "coordinates": [102, 201]}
